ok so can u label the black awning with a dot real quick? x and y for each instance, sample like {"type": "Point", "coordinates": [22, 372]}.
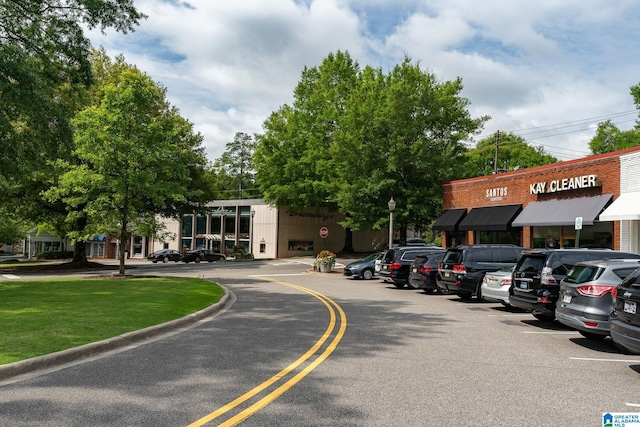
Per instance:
{"type": "Point", "coordinates": [490, 218]}
{"type": "Point", "coordinates": [562, 212]}
{"type": "Point", "coordinates": [449, 219]}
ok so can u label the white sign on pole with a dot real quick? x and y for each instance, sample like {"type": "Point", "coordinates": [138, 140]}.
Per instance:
{"type": "Point", "coordinates": [578, 223]}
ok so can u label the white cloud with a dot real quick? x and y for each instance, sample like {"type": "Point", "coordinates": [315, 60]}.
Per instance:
{"type": "Point", "coordinates": [228, 65]}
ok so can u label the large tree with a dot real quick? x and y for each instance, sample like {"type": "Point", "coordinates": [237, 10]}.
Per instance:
{"type": "Point", "coordinates": [294, 166]}
{"type": "Point", "coordinates": [44, 72]}
{"type": "Point", "coordinates": [509, 150]}
{"type": "Point", "coordinates": [353, 139]}
{"type": "Point", "coordinates": [401, 137]}
{"type": "Point", "coordinates": [44, 55]}
{"type": "Point", "coordinates": [234, 171]}
{"type": "Point", "coordinates": [137, 159]}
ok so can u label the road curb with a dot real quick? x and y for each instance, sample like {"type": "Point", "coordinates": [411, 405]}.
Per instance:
{"type": "Point", "coordinates": [84, 351]}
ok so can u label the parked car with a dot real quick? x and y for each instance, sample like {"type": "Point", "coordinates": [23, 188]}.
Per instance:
{"type": "Point", "coordinates": [423, 270]}
{"type": "Point", "coordinates": [495, 285]}
{"type": "Point", "coordinates": [198, 255]}
{"type": "Point", "coordinates": [585, 301]}
{"type": "Point", "coordinates": [536, 279]}
{"type": "Point", "coordinates": [395, 263]}
{"type": "Point", "coordinates": [165, 255]}
{"type": "Point", "coordinates": [625, 320]}
{"type": "Point", "coordinates": [362, 269]}
{"type": "Point", "coordinates": [463, 267]}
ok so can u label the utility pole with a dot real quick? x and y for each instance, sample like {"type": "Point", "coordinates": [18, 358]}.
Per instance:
{"type": "Point", "coordinates": [495, 158]}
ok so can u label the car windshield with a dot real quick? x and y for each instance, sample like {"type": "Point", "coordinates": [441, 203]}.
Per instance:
{"type": "Point", "coordinates": [531, 264]}
{"type": "Point", "coordinates": [453, 257]}
{"type": "Point", "coordinates": [371, 257]}
{"type": "Point", "coordinates": [583, 273]}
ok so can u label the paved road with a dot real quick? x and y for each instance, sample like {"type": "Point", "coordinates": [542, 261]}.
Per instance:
{"type": "Point", "coordinates": [329, 351]}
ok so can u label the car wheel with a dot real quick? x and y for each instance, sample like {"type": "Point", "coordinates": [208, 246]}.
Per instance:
{"type": "Point", "coordinates": [165, 259]}
{"type": "Point", "coordinates": [544, 317]}
{"type": "Point", "coordinates": [197, 260]}
{"type": "Point", "coordinates": [479, 294]}
{"type": "Point", "coordinates": [592, 336]}
{"type": "Point", "coordinates": [443, 291]}
{"type": "Point", "coordinates": [367, 274]}
{"type": "Point", "coordinates": [429, 291]}
{"type": "Point", "coordinates": [410, 286]}
{"type": "Point", "coordinates": [154, 261]}
{"type": "Point", "coordinates": [399, 285]}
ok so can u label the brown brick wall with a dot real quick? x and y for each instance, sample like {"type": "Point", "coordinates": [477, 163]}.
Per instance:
{"type": "Point", "coordinates": [514, 187]}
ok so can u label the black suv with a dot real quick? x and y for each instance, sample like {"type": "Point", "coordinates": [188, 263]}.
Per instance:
{"type": "Point", "coordinates": [395, 263]}
{"type": "Point", "coordinates": [625, 319]}
{"type": "Point", "coordinates": [463, 267]}
{"type": "Point", "coordinates": [535, 284]}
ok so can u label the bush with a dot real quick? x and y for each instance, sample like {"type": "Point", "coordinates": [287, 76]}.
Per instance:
{"type": "Point", "coordinates": [54, 255]}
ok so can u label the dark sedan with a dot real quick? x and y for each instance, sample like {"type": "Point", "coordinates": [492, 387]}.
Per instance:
{"type": "Point", "coordinates": [165, 255]}
{"type": "Point", "coordinates": [198, 255]}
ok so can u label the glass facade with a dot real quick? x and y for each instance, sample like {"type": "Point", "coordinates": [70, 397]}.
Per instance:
{"type": "Point", "coordinates": [598, 235]}
{"type": "Point", "coordinates": [232, 223]}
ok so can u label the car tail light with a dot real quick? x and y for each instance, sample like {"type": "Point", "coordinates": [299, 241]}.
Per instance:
{"type": "Point", "coordinates": [395, 266]}
{"type": "Point", "coordinates": [425, 269]}
{"type": "Point", "coordinates": [440, 266]}
{"type": "Point", "coordinates": [614, 294]}
{"type": "Point", "coordinates": [595, 290]}
{"type": "Point", "coordinates": [459, 269]}
{"type": "Point", "coordinates": [591, 324]}
{"type": "Point", "coordinates": [546, 278]}
{"type": "Point", "coordinates": [484, 279]}
{"type": "Point", "coordinates": [506, 281]}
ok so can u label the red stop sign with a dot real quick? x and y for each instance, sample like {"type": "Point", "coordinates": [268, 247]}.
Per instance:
{"type": "Point", "coordinates": [324, 232]}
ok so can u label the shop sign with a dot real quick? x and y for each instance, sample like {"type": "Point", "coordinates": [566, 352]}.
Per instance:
{"type": "Point", "coordinates": [494, 194]}
{"type": "Point", "coordinates": [556, 185]}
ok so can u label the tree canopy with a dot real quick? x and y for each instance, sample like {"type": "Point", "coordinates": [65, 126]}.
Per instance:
{"type": "Point", "coordinates": [610, 138]}
{"type": "Point", "coordinates": [136, 159]}
{"type": "Point", "coordinates": [233, 170]}
{"type": "Point", "coordinates": [512, 152]}
{"type": "Point", "coordinates": [352, 139]}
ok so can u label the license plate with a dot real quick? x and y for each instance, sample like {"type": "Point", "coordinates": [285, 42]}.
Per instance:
{"type": "Point", "coordinates": [493, 282]}
{"type": "Point", "coordinates": [446, 274]}
{"type": "Point", "coordinates": [523, 286]}
{"type": "Point", "coordinates": [566, 299]}
{"type": "Point", "coordinates": [630, 307]}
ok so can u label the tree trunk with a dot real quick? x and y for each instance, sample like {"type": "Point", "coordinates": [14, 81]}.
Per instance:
{"type": "Point", "coordinates": [123, 247]}
{"type": "Point", "coordinates": [348, 241]}
{"type": "Point", "coordinates": [79, 252]}
{"type": "Point", "coordinates": [79, 248]}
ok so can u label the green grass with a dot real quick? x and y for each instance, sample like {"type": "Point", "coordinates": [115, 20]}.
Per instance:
{"type": "Point", "coordinates": [40, 317]}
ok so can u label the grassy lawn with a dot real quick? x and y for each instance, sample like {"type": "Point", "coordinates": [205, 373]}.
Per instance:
{"type": "Point", "coordinates": [40, 317]}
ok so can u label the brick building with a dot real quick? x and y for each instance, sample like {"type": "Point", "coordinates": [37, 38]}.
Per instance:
{"type": "Point", "coordinates": [551, 206]}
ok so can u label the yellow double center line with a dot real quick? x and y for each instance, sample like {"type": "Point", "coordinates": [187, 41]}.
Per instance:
{"type": "Point", "coordinates": [332, 306]}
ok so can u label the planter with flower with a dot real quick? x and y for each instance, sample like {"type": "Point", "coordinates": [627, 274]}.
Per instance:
{"type": "Point", "coordinates": [325, 261]}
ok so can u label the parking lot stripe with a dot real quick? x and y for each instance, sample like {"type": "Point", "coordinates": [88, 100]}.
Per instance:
{"type": "Point", "coordinates": [551, 332]}
{"type": "Point", "coordinates": [606, 360]}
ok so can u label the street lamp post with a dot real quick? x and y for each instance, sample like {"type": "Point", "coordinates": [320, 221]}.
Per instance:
{"type": "Point", "coordinates": [253, 213]}
{"type": "Point", "coordinates": [392, 206]}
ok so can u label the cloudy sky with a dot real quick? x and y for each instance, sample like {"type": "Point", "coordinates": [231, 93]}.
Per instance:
{"type": "Point", "coordinates": [547, 70]}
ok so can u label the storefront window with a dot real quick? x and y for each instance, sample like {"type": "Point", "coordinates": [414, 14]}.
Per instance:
{"type": "Point", "coordinates": [185, 244]}
{"type": "Point", "coordinates": [201, 224]}
{"type": "Point", "coordinates": [244, 226]}
{"type": "Point", "coordinates": [230, 227]}
{"type": "Point", "coordinates": [599, 235]}
{"type": "Point", "coordinates": [504, 237]}
{"type": "Point", "coordinates": [215, 226]}
{"type": "Point", "coordinates": [187, 226]}
{"type": "Point", "coordinates": [547, 237]}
